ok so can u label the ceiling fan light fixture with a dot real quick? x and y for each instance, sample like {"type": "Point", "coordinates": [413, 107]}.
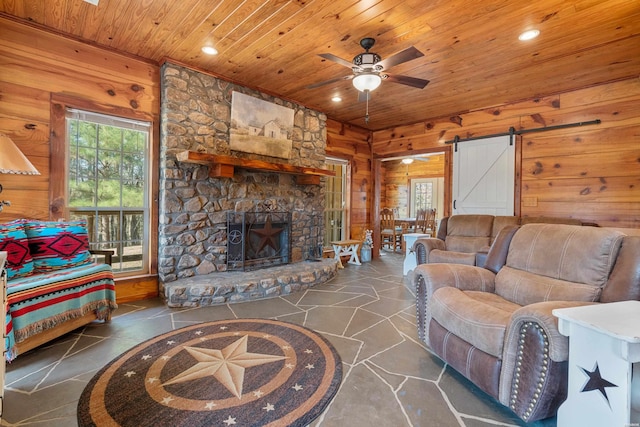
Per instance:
{"type": "Point", "coordinates": [407, 161]}
{"type": "Point", "coordinates": [367, 81]}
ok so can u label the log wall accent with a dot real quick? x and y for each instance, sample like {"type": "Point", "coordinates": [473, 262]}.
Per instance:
{"type": "Point", "coordinates": [354, 144]}
{"type": "Point", "coordinates": [35, 65]}
{"type": "Point", "coordinates": [591, 173]}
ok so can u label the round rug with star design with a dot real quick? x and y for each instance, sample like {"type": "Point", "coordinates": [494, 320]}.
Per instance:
{"type": "Point", "coordinates": [243, 372]}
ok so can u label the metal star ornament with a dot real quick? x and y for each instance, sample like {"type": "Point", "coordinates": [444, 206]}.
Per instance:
{"type": "Point", "coordinates": [268, 235]}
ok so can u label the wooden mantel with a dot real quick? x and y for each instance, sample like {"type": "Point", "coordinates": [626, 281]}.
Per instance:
{"type": "Point", "coordinates": [223, 166]}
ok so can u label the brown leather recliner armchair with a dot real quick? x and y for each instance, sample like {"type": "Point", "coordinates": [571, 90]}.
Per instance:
{"type": "Point", "coordinates": [466, 239]}
{"type": "Point", "coordinates": [494, 324]}
{"type": "Point", "coordinates": [460, 237]}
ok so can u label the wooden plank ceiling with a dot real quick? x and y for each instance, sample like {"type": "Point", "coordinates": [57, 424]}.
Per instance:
{"type": "Point", "coordinates": [472, 54]}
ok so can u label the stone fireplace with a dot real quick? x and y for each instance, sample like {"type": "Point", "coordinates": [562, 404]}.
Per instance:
{"type": "Point", "coordinates": [194, 207]}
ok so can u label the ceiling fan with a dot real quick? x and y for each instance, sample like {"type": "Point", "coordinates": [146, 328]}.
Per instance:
{"type": "Point", "coordinates": [369, 70]}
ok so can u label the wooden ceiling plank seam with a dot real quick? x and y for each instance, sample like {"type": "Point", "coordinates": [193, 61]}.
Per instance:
{"type": "Point", "coordinates": [74, 16]}
{"type": "Point", "coordinates": [161, 27]}
{"type": "Point", "coordinates": [319, 19]}
{"type": "Point", "coordinates": [248, 31]}
{"type": "Point", "coordinates": [157, 23]}
{"type": "Point", "coordinates": [91, 25]}
{"type": "Point", "coordinates": [255, 19]}
{"type": "Point", "coordinates": [132, 19]}
{"type": "Point", "coordinates": [13, 7]}
{"type": "Point", "coordinates": [224, 11]}
{"type": "Point", "coordinates": [287, 33]}
{"type": "Point", "coordinates": [243, 12]}
{"type": "Point", "coordinates": [107, 23]}
{"type": "Point", "coordinates": [197, 17]}
{"type": "Point", "coordinates": [54, 13]}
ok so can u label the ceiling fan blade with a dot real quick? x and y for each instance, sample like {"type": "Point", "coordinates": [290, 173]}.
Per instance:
{"type": "Point", "coordinates": [328, 82]}
{"type": "Point", "coordinates": [398, 58]}
{"type": "Point", "coordinates": [406, 80]}
{"type": "Point", "coordinates": [332, 57]}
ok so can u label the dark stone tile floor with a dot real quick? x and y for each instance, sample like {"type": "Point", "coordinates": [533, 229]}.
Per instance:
{"type": "Point", "coordinates": [367, 312]}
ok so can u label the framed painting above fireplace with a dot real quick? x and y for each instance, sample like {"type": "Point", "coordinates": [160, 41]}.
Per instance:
{"type": "Point", "coordinates": [260, 127]}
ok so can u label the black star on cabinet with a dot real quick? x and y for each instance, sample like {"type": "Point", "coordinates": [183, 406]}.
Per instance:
{"type": "Point", "coordinates": [596, 382]}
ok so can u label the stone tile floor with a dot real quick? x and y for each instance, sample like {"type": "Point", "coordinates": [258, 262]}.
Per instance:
{"type": "Point", "coordinates": [368, 312]}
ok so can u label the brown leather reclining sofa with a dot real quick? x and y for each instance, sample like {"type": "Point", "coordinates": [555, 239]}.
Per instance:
{"type": "Point", "coordinates": [494, 324]}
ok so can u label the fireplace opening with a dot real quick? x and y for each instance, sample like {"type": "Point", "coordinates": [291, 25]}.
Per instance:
{"type": "Point", "coordinates": [258, 240]}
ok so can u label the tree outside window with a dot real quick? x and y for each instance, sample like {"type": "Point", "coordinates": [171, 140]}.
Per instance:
{"type": "Point", "coordinates": [107, 175]}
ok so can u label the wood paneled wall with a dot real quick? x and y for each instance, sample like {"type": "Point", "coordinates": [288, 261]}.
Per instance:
{"type": "Point", "coordinates": [354, 144]}
{"type": "Point", "coordinates": [35, 64]}
{"type": "Point", "coordinates": [591, 173]}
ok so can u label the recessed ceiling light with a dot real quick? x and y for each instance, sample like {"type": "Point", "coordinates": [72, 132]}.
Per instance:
{"type": "Point", "coordinates": [529, 35]}
{"type": "Point", "coordinates": [210, 50]}
{"type": "Point", "coordinates": [336, 99]}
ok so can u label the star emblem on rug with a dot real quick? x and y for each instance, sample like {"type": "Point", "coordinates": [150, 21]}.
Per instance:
{"type": "Point", "coordinates": [233, 372]}
{"type": "Point", "coordinates": [226, 365]}
{"type": "Point", "coordinates": [596, 382]}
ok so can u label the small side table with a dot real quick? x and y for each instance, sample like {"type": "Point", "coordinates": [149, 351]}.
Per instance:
{"type": "Point", "coordinates": [604, 342]}
{"type": "Point", "coordinates": [409, 257]}
{"type": "Point", "coordinates": [346, 247]}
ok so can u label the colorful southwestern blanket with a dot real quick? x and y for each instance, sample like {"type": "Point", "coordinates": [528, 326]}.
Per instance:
{"type": "Point", "coordinates": [41, 301]}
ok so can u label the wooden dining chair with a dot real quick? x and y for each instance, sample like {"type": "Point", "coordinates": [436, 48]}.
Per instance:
{"type": "Point", "coordinates": [421, 218]}
{"type": "Point", "coordinates": [390, 236]}
{"type": "Point", "coordinates": [430, 222]}
{"type": "Point", "coordinates": [426, 221]}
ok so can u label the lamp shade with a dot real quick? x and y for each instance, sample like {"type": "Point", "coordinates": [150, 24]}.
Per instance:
{"type": "Point", "coordinates": [366, 81]}
{"type": "Point", "coordinates": [12, 160]}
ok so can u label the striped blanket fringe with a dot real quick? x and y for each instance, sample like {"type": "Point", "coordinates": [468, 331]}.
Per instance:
{"type": "Point", "coordinates": [102, 309]}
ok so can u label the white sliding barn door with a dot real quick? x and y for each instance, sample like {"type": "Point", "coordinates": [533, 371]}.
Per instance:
{"type": "Point", "coordinates": [483, 176]}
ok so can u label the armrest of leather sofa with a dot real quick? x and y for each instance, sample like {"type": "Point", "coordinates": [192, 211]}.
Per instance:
{"type": "Point", "coordinates": [533, 382]}
{"type": "Point", "coordinates": [429, 277]}
{"type": "Point", "coordinates": [422, 248]}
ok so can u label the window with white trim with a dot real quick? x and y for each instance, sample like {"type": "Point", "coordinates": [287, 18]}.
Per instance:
{"type": "Point", "coordinates": [107, 184]}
